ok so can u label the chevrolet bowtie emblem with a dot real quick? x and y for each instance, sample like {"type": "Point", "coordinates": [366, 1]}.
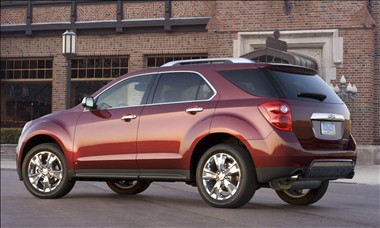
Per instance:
{"type": "Point", "coordinates": [331, 116]}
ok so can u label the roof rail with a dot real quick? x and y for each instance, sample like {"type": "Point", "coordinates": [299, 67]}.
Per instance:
{"type": "Point", "coordinates": [211, 60]}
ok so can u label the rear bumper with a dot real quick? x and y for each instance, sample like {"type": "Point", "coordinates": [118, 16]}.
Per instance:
{"type": "Point", "coordinates": [281, 156]}
{"type": "Point", "coordinates": [331, 169]}
{"type": "Point", "coordinates": [319, 170]}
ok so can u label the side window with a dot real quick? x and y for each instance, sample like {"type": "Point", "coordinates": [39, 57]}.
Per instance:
{"type": "Point", "coordinates": [181, 86]}
{"type": "Point", "coordinates": [252, 81]}
{"type": "Point", "coordinates": [126, 93]}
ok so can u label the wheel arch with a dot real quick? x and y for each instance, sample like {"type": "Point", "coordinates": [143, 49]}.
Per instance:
{"type": "Point", "coordinates": [209, 141]}
{"type": "Point", "coordinates": [35, 141]}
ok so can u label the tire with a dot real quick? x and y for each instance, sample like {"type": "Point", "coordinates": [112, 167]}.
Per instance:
{"type": "Point", "coordinates": [44, 172]}
{"type": "Point", "coordinates": [128, 187]}
{"type": "Point", "coordinates": [304, 196]}
{"type": "Point", "coordinates": [230, 184]}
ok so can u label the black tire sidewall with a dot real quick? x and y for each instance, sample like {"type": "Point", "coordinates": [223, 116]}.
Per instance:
{"type": "Point", "coordinates": [247, 185]}
{"type": "Point", "coordinates": [313, 196]}
{"type": "Point", "coordinates": [65, 185]}
{"type": "Point", "coordinates": [138, 188]}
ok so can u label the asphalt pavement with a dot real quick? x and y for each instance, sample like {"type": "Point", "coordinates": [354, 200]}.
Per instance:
{"type": "Point", "coordinates": [93, 204]}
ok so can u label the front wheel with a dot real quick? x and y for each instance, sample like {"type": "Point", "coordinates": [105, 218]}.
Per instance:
{"type": "Point", "coordinates": [226, 177]}
{"type": "Point", "coordinates": [44, 172]}
{"type": "Point", "coordinates": [129, 187]}
{"type": "Point", "coordinates": [303, 196]}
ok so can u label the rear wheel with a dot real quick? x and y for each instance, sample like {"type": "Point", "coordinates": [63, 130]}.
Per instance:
{"type": "Point", "coordinates": [128, 186]}
{"type": "Point", "coordinates": [44, 172]}
{"type": "Point", "coordinates": [226, 177]}
{"type": "Point", "coordinates": [303, 196]}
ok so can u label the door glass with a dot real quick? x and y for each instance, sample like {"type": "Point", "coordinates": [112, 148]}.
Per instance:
{"type": "Point", "coordinates": [181, 86]}
{"type": "Point", "coordinates": [129, 92]}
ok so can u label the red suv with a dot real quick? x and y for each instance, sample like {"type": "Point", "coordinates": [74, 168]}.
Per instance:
{"type": "Point", "coordinates": [228, 128]}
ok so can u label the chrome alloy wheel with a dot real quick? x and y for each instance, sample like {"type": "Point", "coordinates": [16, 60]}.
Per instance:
{"type": "Point", "coordinates": [297, 193]}
{"type": "Point", "coordinates": [125, 184]}
{"type": "Point", "coordinates": [221, 176]}
{"type": "Point", "coordinates": [45, 171]}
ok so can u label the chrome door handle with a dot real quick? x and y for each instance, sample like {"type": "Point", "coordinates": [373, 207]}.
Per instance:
{"type": "Point", "coordinates": [193, 110]}
{"type": "Point", "coordinates": [128, 117]}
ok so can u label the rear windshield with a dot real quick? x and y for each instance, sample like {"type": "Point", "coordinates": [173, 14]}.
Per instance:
{"type": "Point", "coordinates": [271, 83]}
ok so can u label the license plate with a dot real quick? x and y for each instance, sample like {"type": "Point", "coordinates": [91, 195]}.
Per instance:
{"type": "Point", "coordinates": [328, 128]}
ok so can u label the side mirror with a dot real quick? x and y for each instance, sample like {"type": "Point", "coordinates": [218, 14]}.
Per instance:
{"type": "Point", "coordinates": [88, 102]}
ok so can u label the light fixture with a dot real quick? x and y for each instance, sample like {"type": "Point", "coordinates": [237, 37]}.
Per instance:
{"type": "Point", "coordinates": [345, 91]}
{"type": "Point", "coordinates": [69, 44]}
{"type": "Point", "coordinates": [69, 51]}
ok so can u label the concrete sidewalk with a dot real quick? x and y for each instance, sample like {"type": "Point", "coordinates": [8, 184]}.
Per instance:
{"type": "Point", "coordinates": [364, 174]}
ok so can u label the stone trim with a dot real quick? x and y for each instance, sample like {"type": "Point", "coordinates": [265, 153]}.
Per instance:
{"type": "Point", "coordinates": [324, 46]}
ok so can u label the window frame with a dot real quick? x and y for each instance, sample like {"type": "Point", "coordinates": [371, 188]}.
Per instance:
{"type": "Point", "coordinates": [48, 72]}
{"type": "Point", "coordinates": [104, 68]}
{"type": "Point", "coordinates": [173, 57]}
{"type": "Point", "coordinates": [151, 96]}
{"type": "Point", "coordinates": [144, 99]}
{"type": "Point", "coordinates": [152, 89]}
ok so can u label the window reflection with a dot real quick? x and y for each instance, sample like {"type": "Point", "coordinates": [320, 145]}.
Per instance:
{"type": "Point", "coordinates": [80, 89]}
{"type": "Point", "coordinates": [24, 101]}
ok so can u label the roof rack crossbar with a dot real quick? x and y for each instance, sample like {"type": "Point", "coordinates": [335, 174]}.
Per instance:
{"type": "Point", "coordinates": [210, 60]}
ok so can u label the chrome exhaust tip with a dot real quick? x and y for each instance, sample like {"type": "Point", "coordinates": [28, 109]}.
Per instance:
{"type": "Point", "coordinates": [296, 176]}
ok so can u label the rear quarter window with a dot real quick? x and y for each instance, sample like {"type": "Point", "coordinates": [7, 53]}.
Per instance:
{"type": "Point", "coordinates": [252, 81]}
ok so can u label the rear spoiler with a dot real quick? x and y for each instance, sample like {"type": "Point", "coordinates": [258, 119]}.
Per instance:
{"type": "Point", "coordinates": [292, 68]}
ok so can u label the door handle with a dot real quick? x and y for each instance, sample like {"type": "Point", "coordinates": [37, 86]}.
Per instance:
{"type": "Point", "coordinates": [128, 117]}
{"type": "Point", "coordinates": [193, 110]}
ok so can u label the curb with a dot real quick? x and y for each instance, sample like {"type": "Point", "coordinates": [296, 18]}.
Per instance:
{"type": "Point", "coordinates": [8, 164]}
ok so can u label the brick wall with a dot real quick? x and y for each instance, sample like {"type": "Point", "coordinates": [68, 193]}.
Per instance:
{"type": "Point", "coordinates": [267, 15]}
{"type": "Point", "coordinates": [59, 82]}
{"type": "Point", "coordinates": [359, 29]}
{"type": "Point", "coordinates": [51, 14]}
{"type": "Point", "coordinates": [358, 68]}
{"type": "Point", "coordinates": [136, 46]}
{"type": "Point", "coordinates": [96, 12]}
{"type": "Point", "coordinates": [376, 84]}
{"type": "Point", "coordinates": [13, 15]}
{"type": "Point", "coordinates": [142, 10]}
{"type": "Point", "coordinates": [192, 8]}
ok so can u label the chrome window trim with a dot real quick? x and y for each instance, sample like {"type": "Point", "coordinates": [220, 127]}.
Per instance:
{"type": "Point", "coordinates": [187, 71]}
{"type": "Point", "coordinates": [158, 73]}
{"type": "Point", "coordinates": [327, 116]}
{"type": "Point", "coordinates": [153, 73]}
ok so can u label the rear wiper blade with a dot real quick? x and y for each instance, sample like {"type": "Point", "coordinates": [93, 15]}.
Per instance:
{"type": "Point", "coordinates": [317, 96]}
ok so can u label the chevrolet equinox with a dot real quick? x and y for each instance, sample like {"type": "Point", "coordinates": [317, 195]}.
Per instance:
{"type": "Point", "coordinates": [228, 126]}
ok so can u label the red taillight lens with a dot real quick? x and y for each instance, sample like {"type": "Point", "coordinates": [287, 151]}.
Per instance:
{"type": "Point", "coordinates": [278, 114]}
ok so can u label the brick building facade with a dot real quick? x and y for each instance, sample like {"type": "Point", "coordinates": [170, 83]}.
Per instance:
{"type": "Point", "coordinates": [342, 36]}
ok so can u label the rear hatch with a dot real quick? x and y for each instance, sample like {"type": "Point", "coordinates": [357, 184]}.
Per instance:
{"type": "Point", "coordinates": [320, 119]}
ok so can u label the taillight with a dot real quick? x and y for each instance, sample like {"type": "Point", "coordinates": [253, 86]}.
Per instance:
{"type": "Point", "coordinates": [278, 114]}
